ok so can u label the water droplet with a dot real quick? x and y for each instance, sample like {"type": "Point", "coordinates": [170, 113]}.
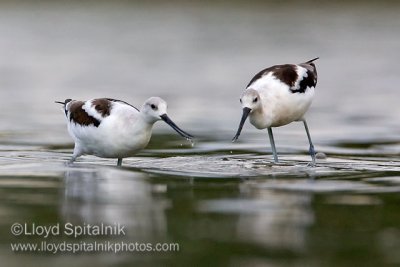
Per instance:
{"type": "Point", "coordinates": [191, 141]}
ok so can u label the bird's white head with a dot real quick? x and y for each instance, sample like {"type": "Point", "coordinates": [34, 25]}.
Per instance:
{"type": "Point", "coordinates": [250, 99]}
{"type": "Point", "coordinates": [155, 109]}
{"type": "Point", "coordinates": [251, 102]}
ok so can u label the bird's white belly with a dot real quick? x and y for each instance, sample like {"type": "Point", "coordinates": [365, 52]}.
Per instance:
{"type": "Point", "coordinates": [282, 108]}
{"type": "Point", "coordinates": [112, 139]}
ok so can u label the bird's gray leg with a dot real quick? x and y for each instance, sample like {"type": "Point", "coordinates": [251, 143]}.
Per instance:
{"type": "Point", "coordinates": [119, 163]}
{"type": "Point", "coordinates": [271, 139]}
{"type": "Point", "coordinates": [311, 150]}
{"type": "Point", "coordinates": [73, 158]}
{"type": "Point", "coordinates": [76, 154]}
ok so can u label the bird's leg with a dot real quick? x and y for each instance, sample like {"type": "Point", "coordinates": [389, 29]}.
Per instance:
{"type": "Point", "coordinates": [71, 161]}
{"type": "Point", "coordinates": [311, 150]}
{"type": "Point", "coordinates": [119, 163]}
{"type": "Point", "coordinates": [271, 139]}
{"type": "Point", "coordinates": [77, 152]}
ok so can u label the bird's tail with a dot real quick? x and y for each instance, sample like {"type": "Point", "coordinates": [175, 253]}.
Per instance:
{"type": "Point", "coordinates": [310, 61]}
{"type": "Point", "coordinates": [66, 101]}
{"type": "Point", "coordinates": [64, 104]}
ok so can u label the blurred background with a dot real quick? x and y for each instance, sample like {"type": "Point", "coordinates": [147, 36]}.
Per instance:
{"type": "Point", "coordinates": [199, 56]}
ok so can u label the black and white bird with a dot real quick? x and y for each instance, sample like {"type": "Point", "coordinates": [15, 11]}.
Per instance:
{"type": "Point", "coordinates": [110, 128]}
{"type": "Point", "coordinates": [277, 96]}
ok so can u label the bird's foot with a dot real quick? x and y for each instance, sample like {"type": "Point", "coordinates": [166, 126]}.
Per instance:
{"type": "Point", "coordinates": [312, 164]}
{"type": "Point", "coordinates": [70, 162]}
{"type": "Point", "coordinates": [312, 154]}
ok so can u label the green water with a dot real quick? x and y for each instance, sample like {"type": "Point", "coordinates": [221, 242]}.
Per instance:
{"type": "Point", "coordinates": [221, 209]}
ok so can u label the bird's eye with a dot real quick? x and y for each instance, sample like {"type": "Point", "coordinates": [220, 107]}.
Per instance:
{"type": "Point", "coordinates": [153, 107]}
{"type": "Point", "coordinates": [240, 100]}
{"type": "Point", "coordinates": [255, 100]}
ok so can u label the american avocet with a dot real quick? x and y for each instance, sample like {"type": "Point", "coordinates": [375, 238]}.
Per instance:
{"type": "Point", "coordinates": [277, 96]}
{"type": "Point", "coordinates": [111, 128]}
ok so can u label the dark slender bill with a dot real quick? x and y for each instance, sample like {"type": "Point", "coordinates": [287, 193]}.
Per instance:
{"type": "Point", "coordinates": [175, 127]}
{"type": "Point", "coordinates": [246, 112]}
{"type": "Point", "coordinates": [59, 102]}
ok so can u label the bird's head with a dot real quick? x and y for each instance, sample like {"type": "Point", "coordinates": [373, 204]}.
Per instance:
{"type": "Point", "coordinates": [250, 101]}
{"type": "Point", "coordinates": [155, 109]}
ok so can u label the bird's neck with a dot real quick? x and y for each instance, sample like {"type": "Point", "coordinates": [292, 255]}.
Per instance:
{"type": "Point", "coordinates": [147, 119]}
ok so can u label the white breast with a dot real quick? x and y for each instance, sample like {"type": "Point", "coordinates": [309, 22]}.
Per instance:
{"type": "Point", "coordinates": [280, 106]}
